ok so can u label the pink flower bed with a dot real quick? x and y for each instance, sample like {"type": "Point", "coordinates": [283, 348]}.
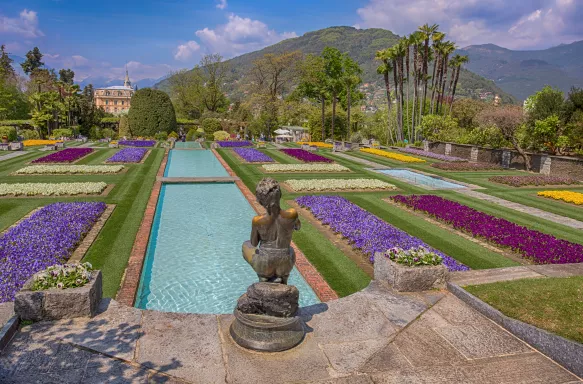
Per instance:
{"type": "Point", "coordinates": [305, 156]}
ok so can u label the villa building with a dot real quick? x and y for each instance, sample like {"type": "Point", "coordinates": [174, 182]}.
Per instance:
{"type": "Point", "coordinates": [115, 99]}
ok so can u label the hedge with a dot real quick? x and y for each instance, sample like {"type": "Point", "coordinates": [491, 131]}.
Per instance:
{"type": "Point", "coordinates": [151, 112]}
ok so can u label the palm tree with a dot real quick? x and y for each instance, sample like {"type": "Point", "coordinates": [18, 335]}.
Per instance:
{"type": "Point", "coordinates": [459, 60]}
{"type": "Point", "coordinates": [407, 43]}
{"type": "Point", "coordinates": [415, 40]}
{"type": "Point", "coordinates": [386, 67]}
{"type": "Point", "coordinates": [437, 39]}
{"type": "Point", "coordinates": [428, 32]}
{"type": "Point", "coordinates": [351, 78]}
{"type": "Point", "coordinates": [448, 49]}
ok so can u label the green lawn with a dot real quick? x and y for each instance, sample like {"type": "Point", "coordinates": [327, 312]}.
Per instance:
{"type": "Point", "coordinates": [112, 247]}
{"type": "Point", "coordinates": [554, 304]}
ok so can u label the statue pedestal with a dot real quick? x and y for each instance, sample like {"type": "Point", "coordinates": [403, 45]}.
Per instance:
{"type": "Point", "coordinates": [266, 333]}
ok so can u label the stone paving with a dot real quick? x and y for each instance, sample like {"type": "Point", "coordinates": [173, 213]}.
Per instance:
{"type": "Point", "coordinates": [373, 336]}
{"type": "Point", "coordinates": [12, 155]}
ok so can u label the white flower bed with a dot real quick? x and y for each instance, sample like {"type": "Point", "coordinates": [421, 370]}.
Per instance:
{"type": "Point", "coordinates": [69, 169]}
{"type": "Point", "coordinates": [305, 168]}
{"type": "Point", "coordinates": [337, 184]}
{"type": "Point", "coordinates": [52, 189]}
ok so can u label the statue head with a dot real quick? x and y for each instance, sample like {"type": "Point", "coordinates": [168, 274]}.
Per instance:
{"type": "Point", "coordinates": [268, 193]}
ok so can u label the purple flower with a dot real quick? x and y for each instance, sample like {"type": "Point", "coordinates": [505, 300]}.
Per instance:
{"type": "Point", "coordinates": [432, 155]}
{"type": "Point", "coordinates": [234, 144]}
{"type": "Point", "coordinates": [305, 156]}
{"type": "Point", "coordinates": [128, 155]}
{"type": "Point", "coordinates": [65, 156]}
{"type": "Point", "coordinates": [521, 181]}
{"type": "Point", "coordinates": [533, 245]}
{"type": "Point", "coordinates": [252, 155]}
{"type": "Point", "coordinates": [48, 237]}
{"type": "Point", "coordinates": [364, 230]}
{"type": "Point", "coordinates": [137, 143]}
{"type": "Point", "coordinates": [466, 166]}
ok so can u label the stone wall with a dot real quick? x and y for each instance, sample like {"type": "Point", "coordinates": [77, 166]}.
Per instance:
{"type": "Point", "coordinates": [463, 151]}
{"type": "Point", "coordinates": [566, 166]}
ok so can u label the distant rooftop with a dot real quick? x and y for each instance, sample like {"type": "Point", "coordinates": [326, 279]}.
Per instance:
{"type": "Point", "coordinates": [118, 87]}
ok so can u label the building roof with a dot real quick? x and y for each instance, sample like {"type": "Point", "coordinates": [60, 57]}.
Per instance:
{"type": "Point", "coordinates": [118, 87]}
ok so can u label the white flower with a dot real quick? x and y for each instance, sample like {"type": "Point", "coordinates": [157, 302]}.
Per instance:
{"type": "Point", "coordinates": [60, 285]}
{"type": "Point", "coordinates": [69, 169]}
{"type": "Point", "coordinates": [337, 184]}
{"type": "Point", "coordinates": [315, 167]}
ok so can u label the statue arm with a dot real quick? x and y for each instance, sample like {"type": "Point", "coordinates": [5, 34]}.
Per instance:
{"type": "Point", "coordinates": [254, 236]}
{"type": "Point", "coordinates": [298, 224]}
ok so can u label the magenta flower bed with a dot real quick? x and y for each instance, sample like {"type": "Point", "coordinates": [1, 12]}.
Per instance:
{"type": "Point", "coordinates": [128, 155]}
{"type": "Point", "coordinates": [521, 181]}
{"type": "Point", "coordinates": [65, 156]}
{"type": "Point", "coordinates": [305, 156]}
{"type": "Point", "coordinates": [46, 238]}
{"type": "Point", "coordinates": [234, 144]}
{"type": "Point", "coordinates": [432, 155]}
{"type": "Point", "coordinates": [539, 247]}
{"type": "Point", "coordinates": [252, 155]}
{"type": "Point", "coordinates": [364, 230]}
{"type": "Point", "coordinates": [137, 143]}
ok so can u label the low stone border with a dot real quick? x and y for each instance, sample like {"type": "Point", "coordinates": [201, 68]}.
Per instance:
{"type": "Point", "coordinates": [90, 237]}
{"type": "Point", "coordinates": [104, 193]}
{"type": "Point", "coordinates": [128, 163]}
{"type": "Point", "coordinates": [8, 331]}
{"type": "Point", "coordinates": [131, 279]}
{"type": "Point", "coordinates": [565, 352]}
{"type": "Point", "coordinates": [310, 274]}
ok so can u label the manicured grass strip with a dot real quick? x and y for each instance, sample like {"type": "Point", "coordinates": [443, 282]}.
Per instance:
{"type": "Point", "coordinates": [465, 251]}
{"type": "Point", "coordinates": [553, 304]}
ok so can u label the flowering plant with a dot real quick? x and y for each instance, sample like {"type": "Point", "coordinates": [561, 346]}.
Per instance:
{"type": "Point", "coordinates": [432, 155]}
{"type": "Point", "coordinates": [463, 167]}
{"type": "Point", "coordinates": [567, 196]}
{"type": "Point", "coordinates": [137, 143]}
{"type": "Point", "coordinates": [414, 257]}
{"type": "Point", "coordinates": [318, 144]}
{"type": "Point", "coordinates": [306, 156]}
{"type": "Point", "coordinates": [33, 143]}
{"type": "Point", "coordinates": [62, 276]}
{"type": "Point", "coordinates": [252, 155]}
{"type": "Point", "coordinates": [337, 184]}
{"type": "Point", "coordinates": [68, 169]}
{"type": "Point", "coordinates": [234, 144]}
{"type": "Point", "coordinates": [521, 181]}
{"type": "Point", "coordinates": [52, 189]}
{"type": "Point", "coordinates": [128, 155]}
{"type": "Point", "coordinates": [305, 168]}
{"type": "Point", "coordinates": [392, 155]}
{"type": "Point", "coordinates": [65, 156]}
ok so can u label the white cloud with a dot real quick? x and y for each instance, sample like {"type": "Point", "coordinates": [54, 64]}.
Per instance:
{"type": "Point", "coordinates": [512, 24]}
{"type": "Point", "coordinates": [26, 25]}
{"type": "Point", "coordinates": [239, 35]}
{"type": "Point", "coordinates": [222, 4]}
{"type": "Point", "coordinates": [185, 51]}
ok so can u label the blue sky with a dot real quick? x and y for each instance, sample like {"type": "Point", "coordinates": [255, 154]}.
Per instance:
{"type": "Point", "coordinates": [154, 37]}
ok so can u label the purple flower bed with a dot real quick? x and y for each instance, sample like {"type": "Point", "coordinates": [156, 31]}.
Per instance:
{"type": "Point", "coordinates": [305, 156]}
{"type": "Point", "coordinates": [467, 167]}
{"type": "Point", "coordinates": [65, 156]}
{"type": "Point", "coordinates": [521, 181]}
{"type": "Point", "coordinates": [234, 144]}
{"type": "Point", "coordinates": [46, 238]}
{"type": "Point", "coordinates": [137, 143]}
{"type": "Point", "coordinates": [432, 155]}
{"type": "Point", "coordinates": [252, 155]}
{"type": "Point", "coordinates": [364, 230]}
{"type": "Point", "coordinates": [128, 155]}
{"type": "Point", "coordinates": [533, 245]}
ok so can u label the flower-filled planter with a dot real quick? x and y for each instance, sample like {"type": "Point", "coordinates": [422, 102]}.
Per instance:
{"type": "Point", "coordinates": [60, 292]}
{"type": "Point", "coordinates": [413, 270]}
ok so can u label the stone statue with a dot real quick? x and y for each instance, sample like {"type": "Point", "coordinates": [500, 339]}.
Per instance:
{"type": "Point", "coordinates": [266, 316]}
{"type": "Point", "coordinates": [269, 251]}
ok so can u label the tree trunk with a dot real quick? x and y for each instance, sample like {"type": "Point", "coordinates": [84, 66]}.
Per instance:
{"type": "Point", "coordinates": [522, 153]}
{"type": "Point", "coordinates": [442, 94]}
{"type": "Point", "coordinates": [425, 65]}
{"type": "Point", "coordinates": [348, 101]}
{"type": "Point", "coordinates": [407, 67]}
{"type": "Point", "coordinates": [397, 98]}
{"type": "Point", "coordinates": [333, 113]}
{"type": "Point", "coordinates": [457, 76]}
{"type": "Point", "coordinates": [436, 69]}
{"type": "Point", "coordinates": [414, 90]}
{"type": "Point", "coordinates": [401, 82]}
{"type": "Point", "coordinates": [323, 117]}
{"type": "Point", "coordinates": [388, 89]}
{"type": "Point", "coordinates": [450, 89]}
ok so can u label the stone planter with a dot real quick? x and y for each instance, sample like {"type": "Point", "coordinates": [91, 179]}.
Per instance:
{"type": "Point", "coordinates": [409, 279]}
{"type": "Point", "coordinates": [113, 145]}
{"type": "Point", "coordinates": [56, 304]}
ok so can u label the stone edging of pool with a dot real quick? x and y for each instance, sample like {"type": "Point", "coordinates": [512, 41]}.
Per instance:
{"type": "Point", "coordinates": [565, 352]}
{"type": "Point", "coordinates": [131, 279]}
{"type": "Point", "coordinates": [308, 271]}
{"type": "Point", "coordinates": [461, 183]}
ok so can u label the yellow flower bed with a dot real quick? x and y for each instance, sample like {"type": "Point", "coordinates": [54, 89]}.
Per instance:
{"type": "Point", "coordinates": [318, 144]}
{"type": "Point", "coordinates": [32, 143]}
{"type": "Point", "coordinates": [569, 197]}
{"type": "Point", "coordinates": [392, 155]}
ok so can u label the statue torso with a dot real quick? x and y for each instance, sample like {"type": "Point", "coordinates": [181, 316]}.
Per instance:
{"type": "Point", "coordinates": [276, 231]}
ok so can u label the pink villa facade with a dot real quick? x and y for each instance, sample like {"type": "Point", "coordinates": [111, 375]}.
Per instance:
{"type": "Point", "coordinates": [115, 99]}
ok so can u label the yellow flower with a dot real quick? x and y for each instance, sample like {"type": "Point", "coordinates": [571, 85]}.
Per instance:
{"type": "Point", "coordinates": [392, 155]}
{"type": "Point", "coordinates": [318, 144]}
{"type": "Point", "coordinates": [567, 196]}
{"type": "Point", "coordinates": [32, 143]}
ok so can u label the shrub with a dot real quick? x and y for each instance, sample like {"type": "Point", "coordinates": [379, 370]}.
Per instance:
{"type": "Point", "coordinates": [107, 133]}
{"type": "Point", "coordinates": [9, 132]}
{"type": "Point", "coordinates": [124, 127]}
{"type": "Point", "coordinates": [191, 135]}
{"type": "Point", "coordinates": [162, 136]}
{"type": "Point", "coordinates": [173, 135]}
{"type": "Point", "coordinates": [211, 125]}
{"type": "Point", "coordinates": [151, 111]}
{"type": "Point", "coordinates": [95, 133]}
{"type": "Point", "coordinates": [356, 137]}
{"type": "Point", "coordinates": [29, 134]}
{"type": "Point", "coordinates": [63, 132]}
{"type": "Point", "coordinates": [221, 135]}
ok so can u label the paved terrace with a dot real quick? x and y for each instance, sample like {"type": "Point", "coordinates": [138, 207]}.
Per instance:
{"type": "Point", "coordinates": [374, 336]}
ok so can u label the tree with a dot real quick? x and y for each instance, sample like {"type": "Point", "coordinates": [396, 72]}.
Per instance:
{"type": "Point", "coordinates": [7, 73]}
{"type": "Point", "coordinates": [386, 67]}
{"type": "Point", "coordinates": [66, 76]}
{"type": "Point", "coordinates": [427, 31]}
{"type": "Point", "coordinates": [213, 72]}
{"type": "Point", "coordinates": [313, 84]}
{"type": "Point", "coordinates": [509, 119]}
{"type": "Point", "coordinates": [448, 49]}
{"type": "Point", "coordinates": [440, 128]}
{"type": "Point", "coordinates": [124, 127]}
{"type": "Point", "coordinates": [457, 63]}
{"type": "Point", "coordinates": [351, 79]}
{"type": "Point", "coordinates": [334, 71]}
{"type": "Point", "coordinates": [33, 61]}
{"type": "Point", "coordinates": [211, 125]}
{"type": "Point", "coordinates": [186, 89]}
{"type": "Point", "coordinates": [544, 127]}
{"type": "Point", "coordinates": [151, 112]}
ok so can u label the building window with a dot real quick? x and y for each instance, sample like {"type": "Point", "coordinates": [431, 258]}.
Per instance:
{"type": "Point", "coordinates": [106, 102]}
{"type": "Point", "coordinates": [116, 102]}
{"type": "Point", "coordinates": [119, 93]}
{"type": "Point", "coordinates": [107, 93]}
{"type": "Point", "coordinates": [122, 102]}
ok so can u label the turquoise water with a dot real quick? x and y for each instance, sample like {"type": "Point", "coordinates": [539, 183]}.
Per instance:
{"type": "Point", "coordinates": [419, 178]}
{"type": "Point", "coordinates": [193, 164]}
{"type": "Point", "coordinates": [186, 144]}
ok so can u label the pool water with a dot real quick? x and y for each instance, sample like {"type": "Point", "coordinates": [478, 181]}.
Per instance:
{"type": "Point", "coordinates": [193, 164]}
{"type": "Point", "coordinates": [187, 145]}
{"type": "Point", "coordinates": [419, 178]}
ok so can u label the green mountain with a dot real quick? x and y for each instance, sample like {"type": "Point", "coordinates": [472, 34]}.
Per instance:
{"type": "Point", "coordinates": [521, 73]}
{"type": "Point", "coordinates": [361, 45]}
